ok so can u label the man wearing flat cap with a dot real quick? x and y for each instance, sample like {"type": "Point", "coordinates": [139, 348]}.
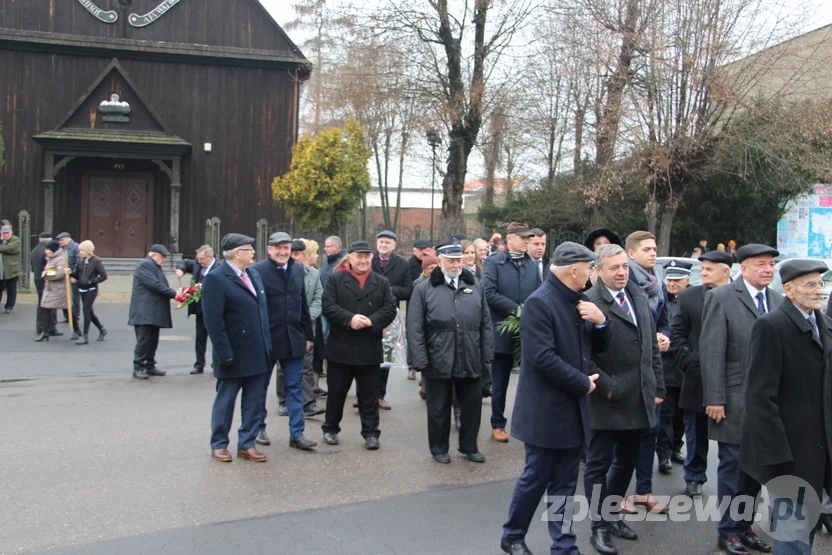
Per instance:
{"type": "Point", "coordinates": [359, 304]}
{"type": "Point", "coordinates": [730, 312]}
{"type": "Point", "coordinates": [788, 404]}
{"type": "Point", "coordinates": [37, 262]}
{"type": "Point", "coordinates": [74, 255]}
{"type": "Point", "coordinates": [560, 330]}
{"type": "Point", "coordinates": [421, 247]}
{"type": "Point", "coordinates": [235, 309]}
{"type": "Point", "coordinates": [393, 267]}
{"type": "Point", "coordinates": [508, 278]}
{"type": "Point", "coordinates": [149, 310]}
{"type": "Point", "coordinates": [290, 329]}
{"type": "Point", "coordinates": [9, 266]}
{"type": "Point", "coordinates": [685, 345]}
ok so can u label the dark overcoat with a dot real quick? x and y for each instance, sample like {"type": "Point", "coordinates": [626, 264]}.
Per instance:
{"type": "Point", "coordinates": [237, 322]}
{"type": "Point", "coordinates": [506, 288]}
{"type": "Point", "coordinates": [343, 299]}
{"type": "Point", "coordinates": [672, 372]}
{"type": "Point", "coordinates": [685, 330]}
{"type": "Point", "coordinates": [551, 408]}
{"type": "Point", "coordinates": [449, 330]}
{"type": "Point", "coordinates": [788, 398]}
{"type": "Point", "coordinates": [727, 318]}
{"type": "Point", "coordinates": [37, 261]}
{"type": "Point", "coordinates": [289, 321]}
{"type": "Point", "coordinates": [193, 268]}
{"type": "Point", "coordinates": [397, 273]}
{"type": "Point", "coordinates": [631, 367]}
{"type": "Point", "coordinates": [150, 301]}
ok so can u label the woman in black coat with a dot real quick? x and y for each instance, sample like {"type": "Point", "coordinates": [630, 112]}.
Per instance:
{"type": "Point", "coordinates": [89, 273]}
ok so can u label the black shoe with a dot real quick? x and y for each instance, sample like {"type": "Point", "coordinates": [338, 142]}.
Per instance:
{"type": "Point", "coordinates": [7, 311]}
{"type": "Point", "coordinates": [732, 545]}
{"type": "Point", "coordinates": [486, 392]}
{"type": "Point", "coordinates": [314, 411]}
{"type": "Point", "coordinates": [102, 333]}
{"type": "Point", "coordinates": [156, 372]}
{"type": "Point", "coordinates": [64, 321]}
{"type": "Point", "coordinates": [42, 337]}
{"type": "Point", "coordinates": [282, 410]}
{"type": "Point", "coordinates": [665, 466]}
{"type": "Point", "coordinates": [751, 540]}
{"type": "Point", "coordinates": [83, 340]}
{"type": "Point", "coordinates": [56, 333]}
{"type": "Point", "coordinates": [519, 548]}
{"type": "Point", "coordinates": [355, 405]}
{"type": "Point", "coordinates": [303, 443]}
{"type": "Point", "coordinates": [262, 437]}
{"type": "Point", "coordinates": [826, 522]}
{"type": "Point", "coordinates": [331, 439]}
{"type": "Point", "coordinates": [372, 443]}
{"type": "Point", "coordinates": [677, 458]}
{"type": "Point", "coordinates": [75, 335]}
{"type": "Point", "coordinates": [622, 530]}
{"type": "Point", "coordinates": [693, 489]}
{"type": "Point", "coordinates": [140, 374]}
{"type": "Point", "coordinates": [196, 370]}
{"type": "Point", "coordinates": [320, 393]}
{"type": "Point", "coordinates": [476, 456]}
{"type": "Point", "coordinates": [442, 458]}
{"type": "Point", "coordinates": [601, 540]}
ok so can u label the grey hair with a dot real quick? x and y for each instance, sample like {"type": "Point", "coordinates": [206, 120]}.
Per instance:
{"type": "Point", "coordinates": [607, 251]}
{"type": "Point", "coordinates": [206, 249]}
{"type": "Point", "coordinates": [335, 240]}
{"type": "Point", "coordinates": [229, 254]}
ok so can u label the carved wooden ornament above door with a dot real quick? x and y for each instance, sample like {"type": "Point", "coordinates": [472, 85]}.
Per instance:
{"type": "Point", "coordinates": [135, 20]}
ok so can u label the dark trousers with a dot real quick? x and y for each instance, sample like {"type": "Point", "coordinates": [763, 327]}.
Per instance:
{"type": "Point", "coordinates": [696, 439]}
{"type": "Point", "coordinates": [88, 299]}
{"type": "Point", "coordinates": [251, 409]}
{"type": "Point", "coordinates": [201, 343]}
{"type": "Point", "coordinates": [500, 377]}
{"type": "Point", "coordinates": [672, 427]}
{"type": "Point", "coordinates": [646, 456]}
{"type": "Point", "coordinates": [308, 383]}
{"type": "Point", "coordinates": [610, 461]}
{"type": "Point", "coordinates": [52, 322]}
{"type": "Point", "coordinates": [438, 397]}
{"type": "Point", "coordinates": [555, 473]}
{"type": "Point", "coordinates": [383, 376]}
{"type": "Point", "coordinates": [147, 341]}
{"type": "Point", "coordinates": [339, 378]}
{"type": "Point", "coordinates": [10, 287]}
{"type": "Point", "coordinates": [319, 348]}
{"type": "Point", "coordinates": [291, 378]}
{"type": "Point", "coordinates": [732, 482]}
{"type": "Point", "coordinates": [76, 306]}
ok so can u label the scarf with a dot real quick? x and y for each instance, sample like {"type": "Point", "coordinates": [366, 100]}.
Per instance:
{"type": "Point", "coordinates": [361, 279]}
{"type": "Point", "coordinates": [516, 255]}
{"type": "Point", "coordinates": [472, 269]}
{"type": "Point", "coordinates": [651, 285]}
{"type": "Point", "coordinates": [332, 258]}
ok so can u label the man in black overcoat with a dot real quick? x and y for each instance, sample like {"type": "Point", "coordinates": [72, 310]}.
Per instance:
{"type": "Point", "coordinates": [560, 330]}
{"type": "Point", "coordinates": [204, 263]}
{"type": "Point", "coordinates": [150, 310]}
{"type": "Point", "coordinates": [788, 403]}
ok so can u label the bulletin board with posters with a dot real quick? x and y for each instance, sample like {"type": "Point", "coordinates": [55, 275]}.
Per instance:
{"type": "Point", "coordinates": [805, 230]}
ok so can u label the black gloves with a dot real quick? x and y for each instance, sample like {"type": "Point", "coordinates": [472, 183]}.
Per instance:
{"type": "Point", "coordinates": [226, 364]}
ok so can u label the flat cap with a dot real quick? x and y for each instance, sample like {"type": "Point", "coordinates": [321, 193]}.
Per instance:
{"type": "Point", "coordinates": [719, 257]}
{"type": "Point", "coordinates": [279, 237]}
{"type": "Point", "coordinates": [387, 233]}
{"type": "Point", "coordinates": [63, 235]}
{"type": "Point", "coordinates": [611, 236]}
{"type": "Point", "coordinates": [677, 269]}
{"type": "Point", "coordinates": [537, 232]}
{"type": "Point", "coordinates": [569, 253]}
{"type": "Point", "coordinates": [792, 269]}
{"type": "Point", "coordinates": [235, 240]}
{"type": "Point", "coordinates": [46, 235]}
{"type": "Point", "coordinates": [158, 249]}
{"type": "Point", "coordinates": [516, 228]}
{"type": "Point", "coordinates": [298, 245]}
{"type": "Point", "coordinates": [450, 250]}
{"type": "Point", "coordinates": [460, 237]}
{"type": "Point", "coordinates": [360, 246]}
{"type": "Point", "coordinates": [6, 229]}
{"type": "Point", "coordinates": [421, 244]}
{"type": "Point", "coordinates": [755, 249]}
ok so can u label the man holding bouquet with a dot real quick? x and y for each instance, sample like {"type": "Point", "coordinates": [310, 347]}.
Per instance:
{"type": "Point", "coordinates": [204, 263]}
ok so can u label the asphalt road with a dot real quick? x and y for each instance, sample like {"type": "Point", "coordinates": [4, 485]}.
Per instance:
{"type": "Point", "coordinates": [96, 462]}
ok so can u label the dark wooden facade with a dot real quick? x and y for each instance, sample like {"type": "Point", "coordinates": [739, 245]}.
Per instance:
{"type": "Point", "coordinates": [205, 71]}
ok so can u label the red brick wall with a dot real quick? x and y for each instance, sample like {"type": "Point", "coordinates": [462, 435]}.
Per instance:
{"type": "Point", "coordinates": [409, 218]}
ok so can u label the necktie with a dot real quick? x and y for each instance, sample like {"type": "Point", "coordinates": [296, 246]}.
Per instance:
{"type": "Point", "coordinates": [814, 324]}
{"type": "Point", "coordinates": [622, 300]}
{"type": "Point", "coordinates": [453, 284]}
{"type": "Point", "coordinates": [244, 277]}
{"type": "Point", "coordinates": [761, 305]}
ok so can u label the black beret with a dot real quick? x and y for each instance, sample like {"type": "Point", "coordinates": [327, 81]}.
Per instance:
{"type": "Point", "coordinates": [421, 244]}
{"type": "Point", "coordinates": [45, 235]}
{"type": "Point", "coordinates": [755, 249]}
{"type": "Point", "coordinates": [792, 269]}
{"type": "Point", "coordinates": [589, 242]}
{"type": "Point", "coordinates": [569, 253]}
{"type": "Point", "coordinates": [718, 257]}
{"type": "Point", "coordinates": [298, 245]}
{"type": "Point", "coordinates": [63, 235]}
{"type": "Point", "coordinates": [234, 240]}
{"type": "Point", "coordinates": [160, 249]}
{"type": "Point", "coordinates": [53, 246]}
{"type": "Point", "coordinates": [360, 246]}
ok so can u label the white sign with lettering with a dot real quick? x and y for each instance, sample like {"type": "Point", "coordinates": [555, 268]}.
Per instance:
{"type": "Point", "coordinates": [98, 13]}
{"type": "Point", "coordinates": [148, 18]}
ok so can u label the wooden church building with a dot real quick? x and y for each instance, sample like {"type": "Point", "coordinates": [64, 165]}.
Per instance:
{"type": "Point", "coordinates": [132, 122]}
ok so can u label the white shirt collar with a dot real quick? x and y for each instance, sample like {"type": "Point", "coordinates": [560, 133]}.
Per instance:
{"type": "Point", "coordinates": [237, 270]}
{"type": "Point", "coordinates": [753, 291]}
{"type": "Point", "coordinates": [449, 280]}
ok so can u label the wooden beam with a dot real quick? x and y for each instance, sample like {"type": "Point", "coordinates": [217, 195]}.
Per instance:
{"type": "Point", "coordinates": [48, 191]}
{"type": "Point", "coordinates": [175, 188]}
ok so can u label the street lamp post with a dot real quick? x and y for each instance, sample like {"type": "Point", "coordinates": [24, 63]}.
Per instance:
{"type": "Point", "coordinates": [434, 140]}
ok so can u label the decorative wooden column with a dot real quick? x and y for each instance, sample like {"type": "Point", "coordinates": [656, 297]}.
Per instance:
{"type": "Point", "coordinates": [48, 191]}
{"type": "Point", "coordinates": [174, 173]}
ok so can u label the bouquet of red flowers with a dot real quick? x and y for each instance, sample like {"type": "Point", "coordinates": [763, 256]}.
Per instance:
{"type": "Point", "coordinates": [189, 294]}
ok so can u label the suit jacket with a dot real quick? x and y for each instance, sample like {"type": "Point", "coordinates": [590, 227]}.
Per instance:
{"type": "Point", "coordinates": [237, 323]}
{"type": "Point", "coordinates": [551, 409]}
{"type": "Point", "coordinates": [507, 287]}
{"type": "Point", "coordinates": [788, 398]}
{"type": "Point", "coordinates": [191, 267]}
{"type": "Point", "coordinates": [685, 330]}
{"type": "Point", "coordinates": [727, 318]}
{"type": "Point", "coordinates": [150, 301]}
{"type": "Point", "coordinates": [289, 321]}
{"type": "Point", "coordinates": [631, 367]}
{"type": "Point", "coordinates": [397, 273]}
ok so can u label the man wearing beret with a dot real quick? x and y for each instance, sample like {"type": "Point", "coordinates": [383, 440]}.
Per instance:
{"type": "Point", "coordinates": [37, 262]}
{"type": "Point", "coordinates": [74, 255]}
{"type": "Point", "coordinates": [685, 345]}
{"type": "Point", "coordinates": [9, 266]}
{"type": "Point", "coordinates": [560, 330]}
{"type": "Point", "coordinates": [728, 316]}
{"type": "Point", "coordinates": [149, 310]}
{"type": "Point", "coordinates": [234, 305]}
{"type": "Point", "coordinates": [290, 329]}
{"type": "Point", "coordinates": [788, 404]}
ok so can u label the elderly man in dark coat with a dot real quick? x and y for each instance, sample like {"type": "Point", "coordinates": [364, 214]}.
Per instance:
{"type": "Point", "coordinates": [74, 256]}
{"type": "Point", "coordinates": [198, 268]}
{"type": "Point", "coordinates": [630, 386]}
{"type": "Point", "coordinates": [730, 312]}
{"type": "Point", "coordinates": [560, 330]}
{"type": "Point", "coordinates": [788, 404]}
{"type": "Point", "coordinates": [450, 340]}
{"type": "Point", "coordinates": [359, 304]}
{"type": "Point", "coordinates": [291, 331]}
{"type": "Point", "coordinates": [234, 305]}
{"type": "Point", "coordinates": [150, 310]}
{"type": "Point", "coordinates": [685, 331]}
{"type": "Point", "coordinates": [508, 278]}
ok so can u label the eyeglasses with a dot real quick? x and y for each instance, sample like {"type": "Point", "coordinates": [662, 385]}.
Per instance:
{"type": "Point", "coordinates": [249, 249]}
{"type": "Point", "coordinates": [811, 285]}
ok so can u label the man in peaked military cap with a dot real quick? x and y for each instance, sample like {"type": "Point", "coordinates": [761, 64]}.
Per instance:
{"type": "Point", "coordinates": [234, 305]}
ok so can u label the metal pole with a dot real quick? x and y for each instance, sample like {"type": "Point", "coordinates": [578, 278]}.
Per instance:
{"type": "Point", "coordinates": [432, 192]}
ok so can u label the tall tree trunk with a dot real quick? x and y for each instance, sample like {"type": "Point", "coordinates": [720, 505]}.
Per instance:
{"type": "Point", "coordinates": [668, 212]}
{"type": "Point", "coordinates": [652, 212]}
